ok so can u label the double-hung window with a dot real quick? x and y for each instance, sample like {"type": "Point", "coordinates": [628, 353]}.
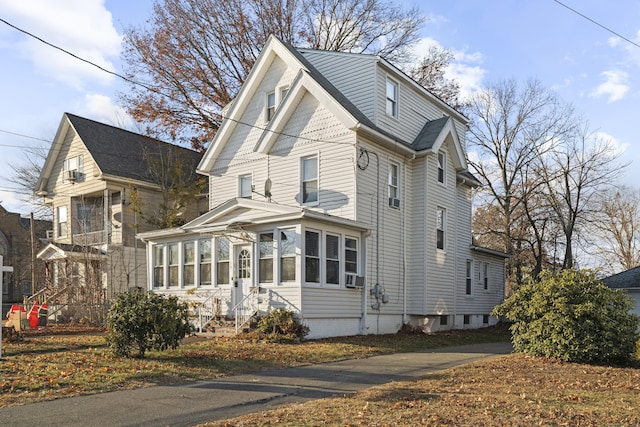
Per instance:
{"type": "Point", "coordinates": [265, 264]}
{"type": "Point", "coordinates": [189, 260]}
{"type": "Point", "coordinates": [62, 221]}
{"type": "Point", "coordinates": [158, 266]}
{"type": "Point", "coordinates": [312, 256]}
{"type": "Point", "coordinates": [222, 261]}
{"type": "Point", "coordinates": [174, 263]}
{"type": "Point", "coordinates": [245, 186]}
{"type": "Point", "coordinates": [270, 106]}
{"type": "Point", "coordinates": [287, 255]}
{"type": "Point", "coordinates": [332, 259]}
{"type": "Point", "coordinates": [72, 168]}
{"type": "Point", "coordinates": [440, 228]}
{"type": "Point", "coordinates": [486, 275]}
{"type": "Point", "coordinates": [205, 261]}
{"type": "Point", "coordinates": [441, 167]}
{"type": "Point", "coordinates": [351, 255]}
{"type": "Point", "coordinates": [392, 98]}
{"type": "Point", "coordinates": [309, 182]}
{"type": "Point", "coordinates": [469, 277]}
{"type": "Point", "coordinates": [393, 181]}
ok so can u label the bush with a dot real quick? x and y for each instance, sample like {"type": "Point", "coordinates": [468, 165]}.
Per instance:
{"type": "Point", "coordinates": [281, 325]}
{"type": "Point", "coordinates": [573, 317]}
{"type": "Point", "coordinates": [146, 321]}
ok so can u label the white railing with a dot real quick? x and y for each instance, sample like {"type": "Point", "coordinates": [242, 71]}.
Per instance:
{"type": "Point", "coordinates": [246, 308]}
{"type": "Point", "coordinates": [205, 306]}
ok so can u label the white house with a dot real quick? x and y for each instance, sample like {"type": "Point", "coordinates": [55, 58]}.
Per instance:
{"type": "Point", "coordinates": [338, 188]}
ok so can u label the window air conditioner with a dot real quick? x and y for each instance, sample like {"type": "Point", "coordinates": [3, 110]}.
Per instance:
{"type": "Point", "coordinates": [353, 281]}
{"type": "Point", "coordinates": [49, 234]}
{"type": "Point", "coordinates": [72, 175]}
{"type": "Point", "coordinates": [394, 203]}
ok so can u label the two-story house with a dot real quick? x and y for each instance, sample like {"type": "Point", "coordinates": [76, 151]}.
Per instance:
{"type": "Point", "coordinates": [101, 183]}
{"type": "Point", "coordinates": [338, 188]}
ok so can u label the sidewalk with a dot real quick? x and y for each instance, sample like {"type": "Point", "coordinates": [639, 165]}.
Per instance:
{"type": "Point", "coordinates": [189, 404]}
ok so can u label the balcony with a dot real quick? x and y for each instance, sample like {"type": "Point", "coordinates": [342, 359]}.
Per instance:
{"type": "Point", "coordinates": [97, 238]}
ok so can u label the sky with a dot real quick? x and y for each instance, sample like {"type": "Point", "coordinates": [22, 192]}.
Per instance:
{"type": "Point", "coordinates": [580, 57]}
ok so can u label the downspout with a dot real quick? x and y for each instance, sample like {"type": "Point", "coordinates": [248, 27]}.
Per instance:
{"type": "Point", "coordinates": [404, 245]}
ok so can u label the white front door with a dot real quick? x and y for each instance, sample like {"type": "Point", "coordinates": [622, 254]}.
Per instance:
{"type": "Point", "coordinates": [242, 272]}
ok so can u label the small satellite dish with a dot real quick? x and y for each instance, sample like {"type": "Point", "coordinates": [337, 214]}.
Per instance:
{"type": "Point", "coordinates": [267, 188]}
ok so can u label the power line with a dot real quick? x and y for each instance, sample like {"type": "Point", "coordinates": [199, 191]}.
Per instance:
{"type": "Point", "coordinates": [597, 23]}
{"type": "Point", "coordinates": [22, 135]}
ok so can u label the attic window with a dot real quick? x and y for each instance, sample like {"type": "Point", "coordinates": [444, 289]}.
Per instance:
{"type": "Point", "coordinates": [270, 105]}
{"type": "Point", "coordinates": [441, 166]}
{"type": "Point", "coordinates": [72, 168]}
{"type": "Point", "coordinates": [392, 98]}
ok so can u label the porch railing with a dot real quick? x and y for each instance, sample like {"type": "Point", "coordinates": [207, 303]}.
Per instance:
{"type": "Point", "coordinates": [246, 308]}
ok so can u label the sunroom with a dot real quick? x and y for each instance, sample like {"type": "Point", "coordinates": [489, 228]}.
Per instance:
{"type": "Point", "coordinates": [246, 257]}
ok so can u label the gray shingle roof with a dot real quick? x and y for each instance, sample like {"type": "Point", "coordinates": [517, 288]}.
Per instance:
{"type": "Point", "coordinates": [429, 133]}
{"type": "Point", "coordinates": [122, 153]}
{"type": "Point", "coordinates": [624, 280]}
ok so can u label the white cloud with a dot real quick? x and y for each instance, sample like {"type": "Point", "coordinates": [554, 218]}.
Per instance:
{"type": "Point", "coordinates": [464, 68]}
{"type": "Point", "coordinates": [614, 41]}
{"type": "Point", "coordinates": [102, 109]}
{"type": "Point", "coordinates": [616, 145]}
{"type": "Point", "coordinates": [615, 86]}
{"type": "Point", "coordinates": [82, 27]}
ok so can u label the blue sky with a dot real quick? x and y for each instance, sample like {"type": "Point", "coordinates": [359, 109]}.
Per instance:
{"type": "Point", "coordinates": [587, 65]}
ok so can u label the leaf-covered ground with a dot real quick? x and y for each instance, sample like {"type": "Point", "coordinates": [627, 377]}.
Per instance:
{"type": "Point", "coordinates": [68, 360]}
{"type": "Point", "coordinates": [512, 390]}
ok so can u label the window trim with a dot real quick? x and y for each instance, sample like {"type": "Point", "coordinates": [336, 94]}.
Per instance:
{"type": "Point", "coordinates": [186, 264]}
{"type": "Point", "coordinates": [303, 181]}
{"type": "Point", "coordinates": [394, 202]}
{"type": "Point", "coordinates": [339, 258]}
{"type": "Point", "coordinates": [469, 277]}
{"type": "Point", "coordinates": [269, 108]}
{"type": "Point", "coordinates": [441, 217]}
{"type": "Point", "coordinates": [177, 247]}
{"type": "Point", "coordinates": [282, 255]}
{"type": "Point", "coordinates": [318, 257]}
{"type": "Point", "coordinates": [269, 256]}
{"type": "Point", "coordinates": [391, 103]}
{"type": "Point", "coordinates": [218, 261]}
{"type": "Point", "coordinates": [59, 222]}
{"type": "Point", "coordinates": [441, 163]}
{"type": "Point", "coordinates": [200, 262]}
{"type": "Point", "coordinates": [159, 265]}
{"type": "Point", "coordinates": [241, 180]}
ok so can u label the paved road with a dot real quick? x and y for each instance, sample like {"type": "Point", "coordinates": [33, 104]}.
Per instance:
{"type": "Point", "coordinates": [198, 402]}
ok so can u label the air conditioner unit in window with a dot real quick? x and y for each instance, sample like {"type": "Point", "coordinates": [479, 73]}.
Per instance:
{"type": "Point", "coordinates": [353, 280]}
{"type": "Point", "coordinates": [394, 203]}
{"type": "Point", "coordinates": [73, 175]}
{"type": "Point", "coordinates": [49, 234]}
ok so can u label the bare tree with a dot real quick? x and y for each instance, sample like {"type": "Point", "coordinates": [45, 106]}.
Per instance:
{"type": "Point", "coordinates": [429, 72]}
{"type": "Point", "coordinates": [512, 126]}
{"type": "Point", "coordinates": [195, 54]}
{"type": "Point", "coordinates": [574, 173]}
{"type": "Point", "coordinates": [617, 229]}
{"type": "Point", "coordinates": [25, 177]}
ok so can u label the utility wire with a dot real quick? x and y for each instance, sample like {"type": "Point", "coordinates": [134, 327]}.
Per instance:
{"type": "Point", "coordinates": [597, 23]}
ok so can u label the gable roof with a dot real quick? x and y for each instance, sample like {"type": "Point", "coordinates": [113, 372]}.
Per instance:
{"type": "Point", "coordinates": [432, 136]}
{"type": "Point", "coordinates": [629, 279]}
{"type": "Point", "coordinates": [117, 152]}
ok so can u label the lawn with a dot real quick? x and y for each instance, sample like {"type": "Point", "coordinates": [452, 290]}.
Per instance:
{"type": "Point", "coordinates": [512, 390]}
{"type": "Point", "coordinates": [509, 390]}
{"type": "Point", "coordinates": [50, 364]}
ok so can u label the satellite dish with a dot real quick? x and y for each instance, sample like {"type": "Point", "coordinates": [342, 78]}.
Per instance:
{"type": "Point", "coordinates": [267, 188]}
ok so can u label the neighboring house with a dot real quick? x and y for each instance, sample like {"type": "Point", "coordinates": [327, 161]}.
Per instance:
{"type": "Point", "coordinates": [338, 188]}
{"type": "Point", "coordinates": [16, 247]}
{"type": "Point", "coordinates": [89, 177]}
{"type": "Point", "coordinates": [629, 281]}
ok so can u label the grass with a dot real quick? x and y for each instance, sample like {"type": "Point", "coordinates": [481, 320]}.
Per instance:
{"type": "Point", "coordinates": [511, 390]}
{"type": "Point", "coordinates": [51, 365]}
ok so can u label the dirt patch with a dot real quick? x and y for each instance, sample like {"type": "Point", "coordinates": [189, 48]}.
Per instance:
{"type": "Point", "coordinates": [65, 329]}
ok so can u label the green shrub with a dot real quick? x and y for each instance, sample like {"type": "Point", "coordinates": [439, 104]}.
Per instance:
{"type": "Point", "coordinates": [146, 321]}
{"type": "Point", "coordinates": [571, 316]}
{"type": "Point", "coordinates": [281, 325]}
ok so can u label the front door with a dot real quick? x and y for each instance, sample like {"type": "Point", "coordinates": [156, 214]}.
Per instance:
{"type": "Point", "coordinates": [242, 272]}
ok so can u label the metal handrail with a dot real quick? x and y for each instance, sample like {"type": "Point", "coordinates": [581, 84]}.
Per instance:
{"type": "Point", "coordinates": [246, 308]}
